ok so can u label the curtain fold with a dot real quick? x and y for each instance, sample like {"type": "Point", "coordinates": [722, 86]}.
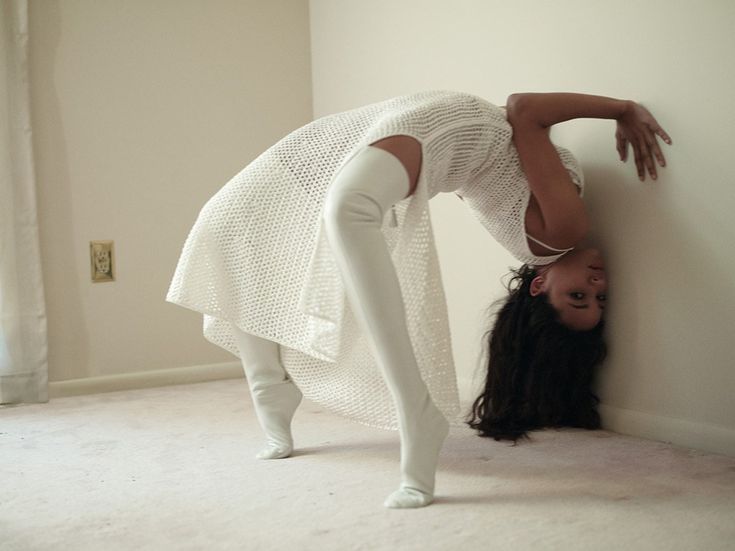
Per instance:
{"type": "Point", "coordinates": [23, 338]}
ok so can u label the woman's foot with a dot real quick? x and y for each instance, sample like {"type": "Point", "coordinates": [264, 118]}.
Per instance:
{"type": "Point", "coordinates": [274, 452]}
{"type": "Point", "coordinates": [275, 405]}
{"type": "Point", "coordinates": [421, 441]}
{"type": "Point", "coordinates": [408, 498]}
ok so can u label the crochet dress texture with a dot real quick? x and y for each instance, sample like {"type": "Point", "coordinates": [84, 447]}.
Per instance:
{"type": "Point", "coordinates": [257, 257]}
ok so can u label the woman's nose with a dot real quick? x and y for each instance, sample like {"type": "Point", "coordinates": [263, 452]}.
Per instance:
{"type": "Point", "coordinates": [597, 278]}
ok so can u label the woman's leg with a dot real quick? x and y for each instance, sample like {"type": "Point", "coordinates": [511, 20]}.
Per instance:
{"type": "Point", "coordinates": [356, 201]}
{"type": "Point", "coordinates": [275, 396]}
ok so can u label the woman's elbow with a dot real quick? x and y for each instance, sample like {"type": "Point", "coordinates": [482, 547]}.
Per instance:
{"type": "Point", "coordinates": [516, 105]}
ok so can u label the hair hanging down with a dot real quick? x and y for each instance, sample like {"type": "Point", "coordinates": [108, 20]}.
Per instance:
{"type": "Point", "coordinates": [539, 372]}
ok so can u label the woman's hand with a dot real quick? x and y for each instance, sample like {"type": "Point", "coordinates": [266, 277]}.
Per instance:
{"type": "Point", "coordinates": [637, 126]}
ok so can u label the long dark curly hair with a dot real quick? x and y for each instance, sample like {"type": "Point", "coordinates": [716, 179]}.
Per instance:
{"type": "Point", "coordinates": [539, 372]}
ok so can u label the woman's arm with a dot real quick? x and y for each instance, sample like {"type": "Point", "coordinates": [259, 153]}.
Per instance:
{"type": "Point", "coordinates": [565, 220]}
{"type": "Point", "coordinates": [636, 125]}
{"type": "Point", "coordinates": [552, 108]}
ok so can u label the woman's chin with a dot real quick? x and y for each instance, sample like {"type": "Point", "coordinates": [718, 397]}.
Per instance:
{"type": "Point", "coordinates": [593, 257]}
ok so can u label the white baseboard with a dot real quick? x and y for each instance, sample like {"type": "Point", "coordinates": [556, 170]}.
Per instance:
{"type": "Point", "coordinates": [679, 432]}
{"type": "Point", "coordinates": [146, 379]}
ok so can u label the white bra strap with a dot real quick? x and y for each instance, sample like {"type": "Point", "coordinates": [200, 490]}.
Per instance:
{"type": "Point", "coordinates": [549, 247]}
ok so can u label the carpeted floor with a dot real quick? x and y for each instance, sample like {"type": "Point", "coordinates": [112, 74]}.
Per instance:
{"type": "Point", "coordinates": [173, 468]}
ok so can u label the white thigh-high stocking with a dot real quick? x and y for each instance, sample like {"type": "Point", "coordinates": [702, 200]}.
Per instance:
{"type": "Point", "coordinates": [357, 199]}
{"type": "Point", "coordinates": [275, 396]}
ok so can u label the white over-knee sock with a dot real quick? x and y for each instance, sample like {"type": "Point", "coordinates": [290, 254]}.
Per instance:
{"type": "Point", "coordinates": [275, 396]}
{"type": "Point", "coordinates": [357, 199]}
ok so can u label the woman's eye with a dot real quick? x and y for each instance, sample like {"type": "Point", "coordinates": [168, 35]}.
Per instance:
{"type": "Point", "coordinates": [602, 298]}
{"type": "Point", "coordinates": [577, 296]}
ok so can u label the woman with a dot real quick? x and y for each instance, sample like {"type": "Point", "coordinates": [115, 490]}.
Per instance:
{"type": "Point", "coordinates": [547, 338]}
{"type": "Point", "coordinates": [339, 209]}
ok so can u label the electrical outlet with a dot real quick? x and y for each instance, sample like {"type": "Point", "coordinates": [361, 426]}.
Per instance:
{"type": "Point", "coordinates": [100, 254]}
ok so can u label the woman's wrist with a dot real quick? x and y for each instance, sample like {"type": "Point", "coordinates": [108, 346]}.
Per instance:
{"type": "Point", "coordinates": [626, 107]}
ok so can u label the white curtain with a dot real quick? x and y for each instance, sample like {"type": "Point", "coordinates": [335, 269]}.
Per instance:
{"type": "Point", "coordinates": [23, 342]}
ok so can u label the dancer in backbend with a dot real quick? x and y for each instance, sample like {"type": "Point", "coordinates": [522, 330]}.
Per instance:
{"type": "Point", "coordinates": [338, 209]}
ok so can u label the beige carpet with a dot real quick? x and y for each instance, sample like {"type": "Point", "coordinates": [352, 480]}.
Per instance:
{"type": "Point", "coordinates": [172, 468]}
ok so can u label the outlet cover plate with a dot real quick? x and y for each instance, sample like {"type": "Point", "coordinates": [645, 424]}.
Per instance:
{"type": "Point", "coordinates": [102, 259]}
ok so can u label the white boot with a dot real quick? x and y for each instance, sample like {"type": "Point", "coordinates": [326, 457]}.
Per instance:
{"type": "Point", "coordinates": [275, 396]}
{"type": "Point", "coordinates": [367, 186]}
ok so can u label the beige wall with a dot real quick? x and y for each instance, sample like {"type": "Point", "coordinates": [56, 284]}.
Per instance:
{"type": "Point", "coordinates": [669, 244]}
{"type": "Point", "coordinates": [141, 111]}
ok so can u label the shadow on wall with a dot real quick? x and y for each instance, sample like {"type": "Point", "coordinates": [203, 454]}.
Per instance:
{"type": "Point", "coordinates": [672, 297]}
{"type": "Point", "coordinates": [56, 215]}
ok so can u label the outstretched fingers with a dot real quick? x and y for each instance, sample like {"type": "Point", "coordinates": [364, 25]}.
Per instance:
{"type": "Point", "coordinates": [639, 162]}
{"type": "Point", "coordinates": [661, 132]}
{"type": "Point", "coordinates": [639, 128]}
{"type": "Point", "coordinates": [649, 149]}
{"type": "Point", "coordinates": [658, 131]}
{"type": "Point", "coordinates": [622, 147]}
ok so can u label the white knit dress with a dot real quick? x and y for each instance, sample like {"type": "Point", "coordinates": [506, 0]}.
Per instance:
{"type": "Point", "coordinates": [257, 256]}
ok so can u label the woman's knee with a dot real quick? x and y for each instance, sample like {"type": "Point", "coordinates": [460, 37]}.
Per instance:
{"type": "Point", "coordinates": [344, 208]}
{"type": "Point", "coordinates": [365, 188]}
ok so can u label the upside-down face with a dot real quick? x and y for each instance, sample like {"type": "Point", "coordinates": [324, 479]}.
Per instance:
{"type": "Point", "coordinates": [576, 286]}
